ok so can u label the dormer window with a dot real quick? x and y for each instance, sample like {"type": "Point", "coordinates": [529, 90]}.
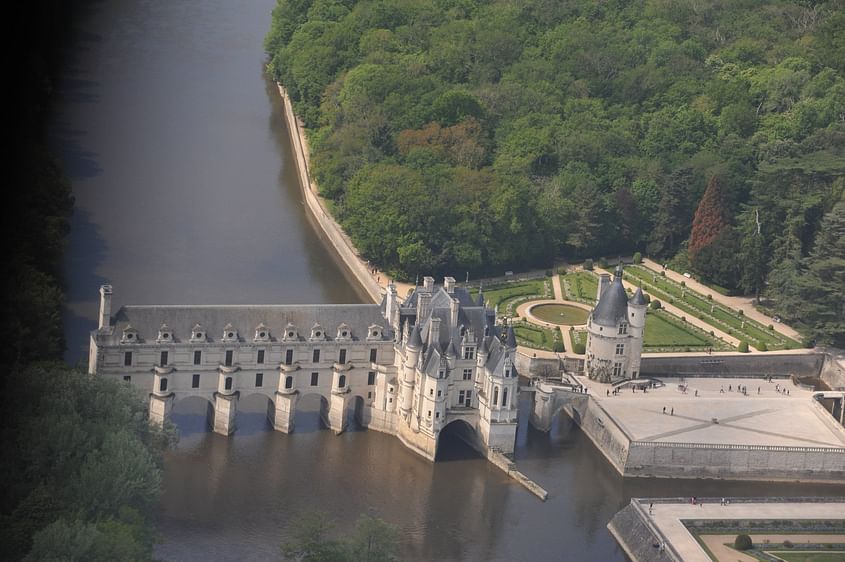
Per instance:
{"type": "Point", "coordinates": [317, 333]}
{"type": "Point", "coordinates": [262, 333]}
{"type": "Point", "coordinates": [291, 334]}
{"type": "Point", "coordinates": [623, 328]}
{"type": "Point", "coordinates": [343, 332]}
{"type": "Point", "coordinates": [441, 374]}
{"type": "Point", "coordinates": [230, 334]}
{"type": "Point", "coordinates": [197, 334]}
{"type": "Point", "coordinates": [374, 332]}
{"type": "Point", "coordinates": [130, 335]}
{"type": "Point", "coordinates": [164, 334]}
{"type": "Point", "coordinates": [469, 352]}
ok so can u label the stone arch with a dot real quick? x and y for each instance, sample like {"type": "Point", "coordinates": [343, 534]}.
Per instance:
{"type": "Point", "coordinates": [193, 413]}
{"type": "Point", "coordinates": [458, 430]}
{"type": "Point", "coordinates": [255, 412]}
{"type": "Point", "coordinates": [312, 412]}
{"type": "Point", "coordinates": [357, 412]}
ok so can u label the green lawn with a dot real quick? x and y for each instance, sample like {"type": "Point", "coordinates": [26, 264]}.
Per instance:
{"type": "Point", "coordinates": [665, 332]}
{"type": "Point", "coordinates": [698, 305]}
{"type": "Point", "coordinates": [560, 314]}
{"type": "Point", "coordinates": [581, 285]}
{"type": "Point", "coordinates": [500, 295]}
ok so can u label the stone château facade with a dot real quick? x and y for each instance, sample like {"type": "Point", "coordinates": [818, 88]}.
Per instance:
{"type": "Point", "coordinates": [615, 332]}
{"type": "Point", "coordinates": [407, 367]}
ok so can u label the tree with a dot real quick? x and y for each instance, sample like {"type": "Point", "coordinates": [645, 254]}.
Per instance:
{"type": "Point", "coordinates": [710, 222]}
{"type": "Point", "coordinates": [372, 541]}
{"type": "Point", "coordinates": [753, 259]}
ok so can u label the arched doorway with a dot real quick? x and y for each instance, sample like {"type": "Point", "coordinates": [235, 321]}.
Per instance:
{"type": "Point", "coordinates": [458, 441]}
{"type": "Point", "coordinates": [312, 412]}
{"type": "Point", "coordinates": [192, 415]}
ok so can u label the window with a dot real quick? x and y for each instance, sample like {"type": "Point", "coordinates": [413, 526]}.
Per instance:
{"type": "Point", "coordinates": [495, 395]}
{"type": "Point", "coordinates": [617, 369]}
{"type": "Point", "coordinates": [289, 357]}
{"type": "Point", "coordinates": [461, 394]}
{"type": "Point", "coordinates": [620, 349]}
{"type": "Point", "coordinates": [259, 380]}
{"type": "Point", "coordinates": [369, 395]}
{"type": "Point", "coordinates": [468, 402]}
{"type": "Point", "coordinates": [373, 355]}
{"type": "Point", "coordinates": [437, 415]}
{"type": "Point", "coordinates": [162, 385]}
{"type": "Point", "coordinates": [469, 352]}
{"type": "Point", "coordinates": [315, 379]}
{"type": "Point", "coordinates": [163, 358]}
{"type": "Point", "coordinates": [315, 358]}
{"type": "Point", "coordinates": [623, 328]}
{"type": "Point", "coordinates": [429, 413]}
{"type": "Point", "coordinates": [228, 384]}
{"type": "Point", "coordinates": [508, 373]}
{"type": "Point", "coordinates": [197, 357]}
{"type": "Point", "coordinates": [127, 378]}
{"type": "Point", "coordinates": [288, 381]}
{"type": "Point", "coordinates": [371, 378]}
{"type": "Point", "coordinates": [341, 357]}
{"type": "Point", "coordinates": [260, 358]}
{"type": "Point", "coordinates": [341, 381]}
{"type": "Point", "coordinates": [439, 393]}
{"type": "Point", "coordinates": [504, 397]}
{"type": "Point", "coordinates": [431, 392]}
{"type": "Point", "coordinates": [467, 374]}
{"type": "Point", "coordinates": [229, 355]}
{"type": "Point", "coordinates": [195, 381]}
{"type": "Point", "coordinates": [127, 359]}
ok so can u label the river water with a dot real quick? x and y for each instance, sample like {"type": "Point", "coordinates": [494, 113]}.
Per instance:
{"type": "Point", "coordinates": [186, 193]}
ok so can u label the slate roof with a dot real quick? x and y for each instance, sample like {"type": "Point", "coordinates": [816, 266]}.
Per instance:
{"type": "Point", "coordinates": [245, 318]}
{"type": "Point", "coordinates": [638, 297]}
{"type": "Point", "coordinates": [613, 304]}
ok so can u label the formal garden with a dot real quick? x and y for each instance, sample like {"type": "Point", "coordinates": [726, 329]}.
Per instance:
{"type": "Point", "coordinates": [733, 322]}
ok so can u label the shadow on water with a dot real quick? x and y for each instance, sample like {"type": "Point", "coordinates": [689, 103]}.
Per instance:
{"type": "Point", "coordinates": [78, 162]}
{"type": "Point", "coordinates": [84, 256]}
{"type": "Point", "coordinates": [454, 443]}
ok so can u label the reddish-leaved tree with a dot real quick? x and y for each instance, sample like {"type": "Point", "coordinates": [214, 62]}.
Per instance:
{"type": "Point", "coordinates": [710, 220]}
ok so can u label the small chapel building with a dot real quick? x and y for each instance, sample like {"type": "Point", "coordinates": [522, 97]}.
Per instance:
{"type": "Point", "coordinates": [615, 332]}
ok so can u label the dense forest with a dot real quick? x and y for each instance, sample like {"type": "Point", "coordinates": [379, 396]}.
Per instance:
{"type": "Point", "coordinates": [81, 466]}
{"type": "Point", "coordinates": [471, 135]}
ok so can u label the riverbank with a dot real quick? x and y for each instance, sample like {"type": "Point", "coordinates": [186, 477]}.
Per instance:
{"type": "Point", "coordinates": [373, 281]}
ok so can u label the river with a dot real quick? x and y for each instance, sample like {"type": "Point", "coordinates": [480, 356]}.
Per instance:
{"type": "Point", "coordinates": [186, 193]}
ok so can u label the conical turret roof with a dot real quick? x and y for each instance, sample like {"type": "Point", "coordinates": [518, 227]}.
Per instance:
{"type": "Point", "coordinates": [613, 304]}
{"type": "Point", "coordinates": [415, 339]}
{"type": "Point", "coordinates": [638, 297]}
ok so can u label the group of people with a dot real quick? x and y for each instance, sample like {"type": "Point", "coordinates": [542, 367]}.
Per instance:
{"type": "Point", "coordinates": [671, 412]}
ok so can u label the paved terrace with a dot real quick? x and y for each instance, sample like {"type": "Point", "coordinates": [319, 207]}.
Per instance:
{"type": "Point", "coordinates": [768, 418]}
{"type": "Point", "coordinates": [668, 517]}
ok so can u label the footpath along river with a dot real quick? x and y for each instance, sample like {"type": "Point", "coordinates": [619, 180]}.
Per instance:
{"type": "Point", "coordinates": [186, 192]}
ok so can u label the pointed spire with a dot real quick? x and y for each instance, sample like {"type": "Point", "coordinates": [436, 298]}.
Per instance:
{"type": "Point", "coordinates": [451, 351]}
{"type": "Point", "coordinates": [638, 297]}
{"type": "Point", "coordinates": [510, 342]}
{"type": "Point", "coordinates": [416, 340]}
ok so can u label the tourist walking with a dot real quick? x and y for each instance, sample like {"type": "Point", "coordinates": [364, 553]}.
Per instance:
{"type": "Point", "coordinates": [664, 409]}
{"type": "Point", "coordinates": [672, 413]}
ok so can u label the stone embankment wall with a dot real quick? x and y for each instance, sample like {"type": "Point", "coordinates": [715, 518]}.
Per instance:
{"type": "Point", "coordinates": [757, 364]}
{"type": "Point", "coordinates": [638, 537]}
{"type": "Point", "coordinates": [741, 462]}
{"type": "Point", "coordinates": [833, 370]}
{"type": "Point", "coordinates": [605, 433]}
{"type": "Point", "coordinates": [339, 240]}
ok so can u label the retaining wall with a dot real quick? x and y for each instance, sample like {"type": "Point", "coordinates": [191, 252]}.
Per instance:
{"type": "Point", "coordinates": [756, 364]}
{"type": "Point", "coordinates": [339, 240]}
{"type": "Point", "coordinates": [740, 462]}
{"type": "Point", "coordinates": [638, 537]}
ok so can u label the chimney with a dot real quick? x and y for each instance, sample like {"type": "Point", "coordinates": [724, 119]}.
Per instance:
{"type": "Point", "coordinates": [434, 331]}
{"type": "Point", "coordinates": [454, 307]}
{"type": "Point", "coordinates": [428, 284]}
{"type": "Point", "coordinates": [449, 284]}
{"type": "Point", "coordinates": [105, 306]}
{"type": "Point", "coordinates": [423, 306]}
{"type": "Point", "coordinates": [390, 302]}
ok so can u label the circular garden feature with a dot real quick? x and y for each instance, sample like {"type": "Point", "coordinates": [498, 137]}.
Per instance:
{"type": "Point", "coordinates": [561, 314]}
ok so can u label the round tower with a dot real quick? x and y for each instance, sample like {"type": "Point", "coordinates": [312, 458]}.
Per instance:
{"type": "Point", "coordinates": [412, 355]}
{"type": "Point", "coordinates": [637, 308]}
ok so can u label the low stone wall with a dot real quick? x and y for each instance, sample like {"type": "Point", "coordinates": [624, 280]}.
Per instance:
{"type": "Point", "coordinates": [737, 462]}
{"type": "Point", "coordinates": [496, 457]}
{"type": "Point", "coordinates": [833, 370]}
{"type": "Point", "coordinates": [757, 364]}
{"type": "Point", "coordinates": [339, 240]}
{"type": "Point", "coordinates": [638, 537]}
{"type": "Point", "coordinates": [527, 366]}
